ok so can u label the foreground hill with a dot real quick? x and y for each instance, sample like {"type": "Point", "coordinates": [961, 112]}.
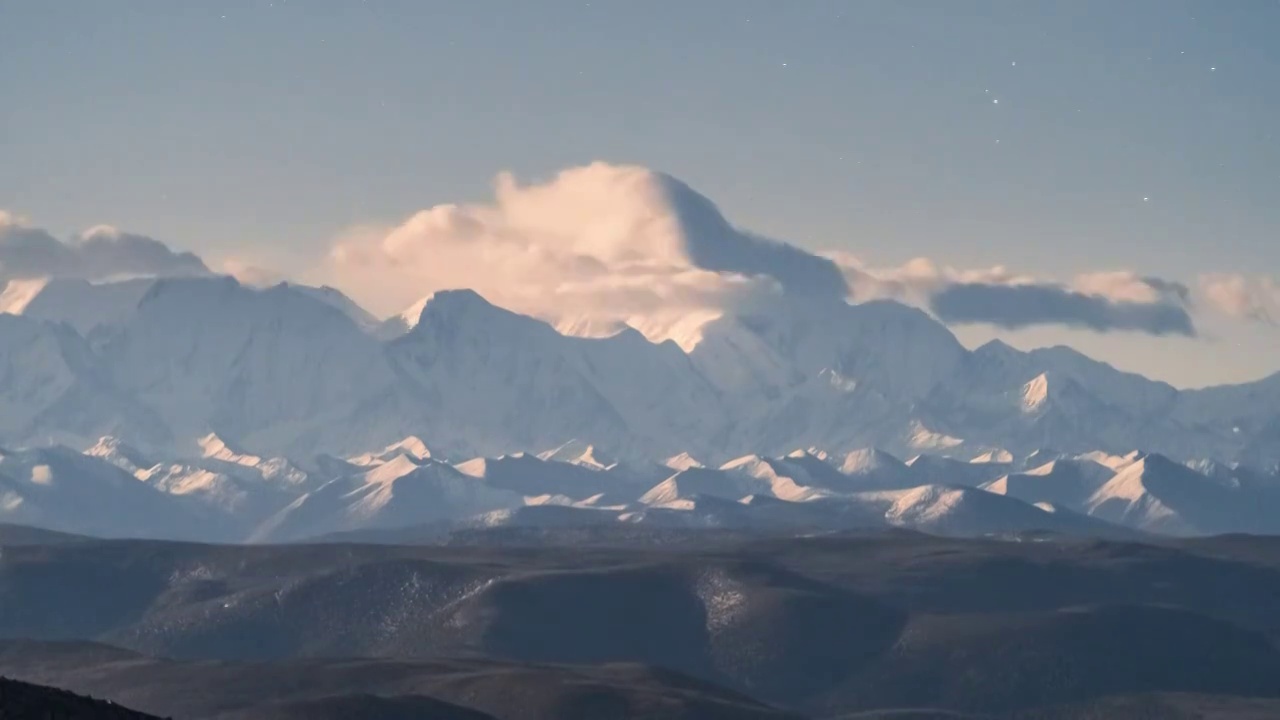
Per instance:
{"type": "Point", "coordinates": [444, 689]}
{"type": "Point", "coordinates": [818, 626]}
{"type": "Point", "coordinates": [25, 701]}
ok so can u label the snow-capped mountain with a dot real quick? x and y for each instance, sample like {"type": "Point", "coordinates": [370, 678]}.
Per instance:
{"type": "Point", "coordinates": [297, 371]}
{"type": "Point", "coordinates": [226, 494]}
{"type": "Point", "coordinates": [1068, 483]}
{"type": "Point", "coordinates": [61, 489]}
{"type": "Point", "coordinates": [83, 305]}
{"type": "Point", "coordinates": [398, 493]}
{"type": "Point", "coordinates": [263, 367]}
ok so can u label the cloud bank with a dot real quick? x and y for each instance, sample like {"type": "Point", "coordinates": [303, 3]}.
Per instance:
{"type": "Point", "coordinates": [1115, 301]}
{"type": "Point", "coordinates": [1020, 306]}
{"type": "Point", "coordinates": [605, 244]}
{"type": "Point", "coordinates": [100, 253]}
{"type": "Point", "coordinates": [601, 245]}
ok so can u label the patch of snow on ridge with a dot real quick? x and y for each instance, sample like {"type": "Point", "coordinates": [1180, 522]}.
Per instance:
{"type": "Point", "coordinates": [412, 447]}
{"type": "Point", "coordinates": [922, 438]}
{"type": "Point", "coordinates": [994, 456]}
{"type": "Point", "coordinates": [722, 598]}
{"type": "Point", "coordinates": [1035, 393]}
{"type": "Point", "coordinates": [215, 448]}
{"type": "Point", "coordinates": [683, 461]}
{"type": "Point", "coordinates": [18, 294]}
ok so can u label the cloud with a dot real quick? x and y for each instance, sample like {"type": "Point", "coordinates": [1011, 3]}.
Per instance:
{"type": "Point", "coordinates": [107, 252]}
{"type": "Point", "coordinates": [601, 243]}
{"type": "Point", "coordinates": [99, 253]}
{"type": "Point", "coordinates": [1103, 301]}
{"type": "Point", "coordinates": [604, 244]}
{"type": "Point", "coordinates": [1243, 297]}
{"type": "Point", "coordinates": [251, 274]}
{"type": "Point", "coordinates": [1020, 306]}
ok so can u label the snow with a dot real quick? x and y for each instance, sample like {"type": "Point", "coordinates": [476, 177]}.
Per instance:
{"type": "Point", "coordinates": [578, 452]}
{"type": "Point", "coordinates": [18, 294]}
{"type": "Point", "coordinates": [86, 306]}
{"type": "Point", "coordinates": [293, 371]}
{"type": "Point", "coordinates": [683, 461]}
{"type": "Point", "coordinates": [922, 438]}
{"type": "Point", "coordinates": [412, 447]}
{"type": "Point", "coordinates": [1069, 483]}
{"type": "Point", "coordinates": [994, 456]}
{"type": "Point", "coordinates": [1035, 394]}
{"type": "Point", "coordinates": [231, 494]}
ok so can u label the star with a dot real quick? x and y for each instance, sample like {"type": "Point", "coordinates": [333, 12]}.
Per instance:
{"type": "Point", "coordinates": [784, 64]}
{"type": "Point", "coordinates": [995, 101]}
{"type": "Point", "coordinates": [1213, 69]}
{"type": "Point", "coordinates": [1145, 199]}
{"type": "Point", "coordinates": [1014, 63]}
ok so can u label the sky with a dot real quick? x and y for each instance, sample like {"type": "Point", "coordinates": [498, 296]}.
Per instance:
{"type": "Point", "coordinates": [1053, 139]}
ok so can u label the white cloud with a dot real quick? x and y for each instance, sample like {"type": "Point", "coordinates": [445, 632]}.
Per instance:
{"type": "Point", "coordinates": [1243, 297]}
{"type": "Point", "coordinates": [604, 244]}
{"type": "Point", "coordinates": [599, 243]}
{"type": "Point", "coordinates": [250, 273]}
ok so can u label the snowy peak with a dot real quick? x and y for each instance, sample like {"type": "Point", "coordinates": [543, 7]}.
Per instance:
{"type": "Point", "coordinates": [338, 300]}
{"type": "Point", "coordinates": [412, 448]}
{"type": "Point", "coordinates": [870, 460]}
{"type": "Point", "coordinates": [578, 452]}
{"type": "Point", "coordinates": [215, 448]}
{"type": "Point", "coordinates": [683, 461]}
{"type": "Point", "coordinates": [531, 476]}
{"type": "Point", "coordinates": [994, 456]}
{"type": "Point", "coordinates": [450, 311]}
{"type": "Point", "coordinates": [1157, 494]}
{"type": "Point", "coordinates": [118, 453]}
{"type": "Point", "coordinates": [689, 484]}
{"type": "Point", "coordinates": [937, 470]}
{"type": "Point", "coordinates": [1067, 483]}
{"type": "Point", "coordinates": [85, 306]}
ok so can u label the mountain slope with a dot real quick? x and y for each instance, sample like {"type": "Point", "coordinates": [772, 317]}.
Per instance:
{"type": "Point", "coordinates": [53, 388]}
{"type": "Point", "coordinates": [59, 489]}
{"type": "Point", "coordinates": [269, 367]}
{"type": "Point", "coordinates": [1156, 494]}
{"type": "Point", "coordinates": [512, 382]}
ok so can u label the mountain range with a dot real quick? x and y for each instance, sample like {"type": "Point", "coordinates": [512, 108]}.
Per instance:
{"type": "Point", "coordinates": [406, 493]}
{"type": "Point", "coordinates": [297, 371]}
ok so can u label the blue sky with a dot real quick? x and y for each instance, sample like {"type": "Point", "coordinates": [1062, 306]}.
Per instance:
{"type": "Point", "coordinates": [267, 128]}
